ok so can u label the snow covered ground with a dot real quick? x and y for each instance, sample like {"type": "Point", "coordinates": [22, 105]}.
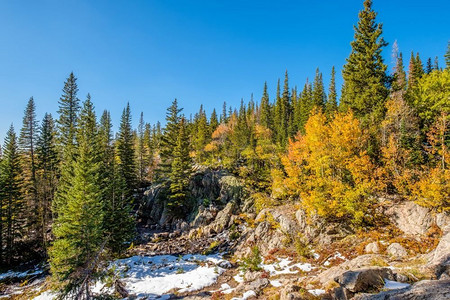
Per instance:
{"type": "Point", "coordinates": [153, 276]}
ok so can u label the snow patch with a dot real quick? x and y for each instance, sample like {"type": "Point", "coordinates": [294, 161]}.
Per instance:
{"type": "Point", "coordinates": [13, 274]}
{"type": "Point", "coordinates": [285, 266]}
{"type": "Point", "coordinates": [246, 295]}
{"type": "Point", "coordinates": [275, 283]}
{"type": "Point", "coordinates": [316, 292]}
{"type": "Point", "coordinates": [153, 276]}
{"type": "Point", "coordinates": [395, 285]}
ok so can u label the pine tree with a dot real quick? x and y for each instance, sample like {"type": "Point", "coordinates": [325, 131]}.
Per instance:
{"type": "Point", "coordinates": [399, 80]}
{"type": "Point", "coordinates": [331, 104]}
{"type": "Point", "coordinates": [429, 67]}
{"type": "Point", "coordinates": [169, 139]}
{"type": "Point", "coordinates": [48, 172]}
{"type": "Point", "coordinates": [285, 111]}
{"type": "Point", "coordinates": [78, 228]}
{"type": "Point", "coordinates": [179, 175]}
{"type": "Point", "coordinates": [118, 224]}
{"type": "Point", "coordinates": [265, 114]}
{"type": "Point", "coordinates": [213, 122]}
{"type": "Point", "coordinates": [27, 142]}
{"type": "Point", "coordinates": [67, 126]}
{"type": "Point", "coordinates": [201, 133]}
{"type": "Point", "coordinates": [319, 97]}
{"type": "Point", "coordinates": [68, 112]}
{"type": "Point", "coordinates": [436, 63]}
{"type": "Point", "coordinates": [11, 208]}
{"type": "Point", "coordinates": [447, 56]}
{"type": "Point", "coordinates": [126, 151]}
{"type": "Point", "coordinates": [223, 116]}
{"type": "Point", "coordinates": [365, 79]}
{"type": "Point", "coordinates": [142, 163]}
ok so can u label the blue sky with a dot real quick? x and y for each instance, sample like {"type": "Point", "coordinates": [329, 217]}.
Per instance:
{"type": "Point", "coordinates": [150, 52]}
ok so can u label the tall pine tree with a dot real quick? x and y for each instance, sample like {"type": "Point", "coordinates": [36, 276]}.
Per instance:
{"type": "Point", "coordinates": [365, 81]}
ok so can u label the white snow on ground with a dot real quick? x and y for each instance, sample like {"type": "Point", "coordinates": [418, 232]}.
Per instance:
{"type": "Point", "coordinates": [317, 292]}
{"type": "Point", "coordinates": [275, 283]}
{"type": "Point", "coordinates": [336, 255]}
{"type": "Point", "coordinates": [12, 274]}
{"type": "Point", "coordinates": [246, 295]}
{"type": "Point", "coordinates": [239, 277]}
{"type": "Point", "coordinates": [284, 266]}
{"type": "Point", "coordinates": [394, 285]}
{"type": "Point", "coordinates": [152, 276]}
{"type": "Point", "coordinates": [45, 296]}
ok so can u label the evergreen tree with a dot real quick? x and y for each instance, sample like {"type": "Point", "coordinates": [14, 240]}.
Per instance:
{"type": "Point", "coordinates": [201, 133]}
{"type": "Point", "coordinates": [27, 142]}
{"type": "Point", "coordinates": [399, 80]}
{"type": "Point", "coordinates": [67, 125]}
{"type": "Point", "coordinates": [213, 122]}
{"type": "Point", "coordinates": [436, 63]}
{"type": "Point", "coordinates": [78, 228]}
{"type": "Point", "coordinates": [331, 104]}
{"type": "Point", "coordinates": [68, 113]}
{"type": "Point", "coordinates": [429, 67]}
{"type": "Point", "coordinates": [11, 201]}
{"type": "Point", "coordinates": [126, 151]}
{"type": "Point", "coordinates": [118, 223]}
{"type": "Point", "coordinates": [319, 97]}
{"type": "Point", "coordinates": [169, 138]}
{"type": "Point", "coordinates": [142, 163]}
{"type": "Point", "coordinates": [365, 79]}
{"type": "Point", "coordinates": [179, 175]}
{"type": "Point", "coordinates": [447, 56]}
{"type": "Point", "coordinates": [47, 178]}
{"type": "Point", "coordinates": [223, 116]}
{"type": "Point", "coordinates": [265, 115]}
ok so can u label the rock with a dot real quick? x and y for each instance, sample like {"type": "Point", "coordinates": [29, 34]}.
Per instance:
{"type": "Point", "coordinates": [184, 226]}
{"type": "Point", "coordinates": [291, 292]}
{"type": "Point", "coordinates": [223, 217]}
{"type": "Point", "coordinates": [364, 280]}
{"type": "Point", "coordinates": [359, 262]}
{"type": "Point", "coordinates": [339, 293]}
{"type": "Point", "coordinates": [257, 285]}
{"type": "Point", "coordinates": [372, 248]}
{"type": "Point", "coordinates": [411, 218]}
{"type": "Point", "coordinates": [250, 276]}
{"type": "Point", "coordinates": [395, 250]}
{"type": "Point", "coordinates": [439, 259]}
{"type": "Point", "coordinates": [204, 217]}
{"type": "Point", "coordinates": [443, 221]}
{"type": "Point", "coordinates": [426, 289]}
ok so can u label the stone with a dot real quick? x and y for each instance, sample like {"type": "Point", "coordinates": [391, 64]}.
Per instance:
{"type": "Point", "coordinates": [395, 250]}
{"type": "Point", "coordinates": [425, 289]}
{"type": "Point", "coordinates": [364, 280]}
{"type": "Point", "coordinates": [291, 292]}
{"type": "Point", "coordinates": [257, 285]}
{"type": "Point", "coordinates": [411, 218]}
{"type": "Point", "coordinates": [250, 276]}
{"type": "Point", "coordinates": [372, 248]}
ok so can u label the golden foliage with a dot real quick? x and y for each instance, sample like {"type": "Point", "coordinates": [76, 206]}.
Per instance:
{"type": "Point", "coordinates": [328, 168]}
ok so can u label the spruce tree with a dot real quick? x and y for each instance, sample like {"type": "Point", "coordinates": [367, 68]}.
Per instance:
{"type": "Point", "coordinates": [169, 139]}
{"type": "Point", "coordinates": [11, 211]}
{"type": "Point", "coordinates": [223, 116]}
{"type": "Point", "coordinates": [179, 175]}
{"type": "Point", "coordinates": [319, 96]}
{"type": "Point", "coordinates": [429, 67]}
{"type": "Point", "coordinates": [447, 56]}
{"type": "Point", "coordinates": [436, 64]}
{"type": "Point", "coordinates": [126, 151]}
{"type": "Point", "coordinates": [27, 142]}
{"type": "Point", "coordinates": [201, 133]}
{"type": "Point", "coordinates": [331, 104]}
{"type": "Point", "coordinates": [118, 223]}
{"type": "Point", "coordinates": [68, 112]}
{"type": "Point", "coordinates": [365, 79]}
{"type": "Point", "coordinates": [47, 178]}
{"type": "Point", "coordinates": [213, 122]}
{"type": "Point", "coordinates": [285, 111]}
{"type": "Point", "coordinates": [79, 225]}
{"type": "Point", "coordinates": [265, 118]}
{"type": "Point", "coordinates": [142, 164]}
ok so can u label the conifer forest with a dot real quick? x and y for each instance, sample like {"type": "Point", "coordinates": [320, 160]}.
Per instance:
{"type": "Point", "coordinates": [75, 186]}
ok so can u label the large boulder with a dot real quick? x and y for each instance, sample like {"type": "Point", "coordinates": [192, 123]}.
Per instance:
{"type": "Point", "coordinates": [364, 280]}
{"type": "Point", "coordinates": [411, 218]}
{"type": "Point", "coordinates": [439, 259]}
{"type": "Point", "coordinates": [426, 289]}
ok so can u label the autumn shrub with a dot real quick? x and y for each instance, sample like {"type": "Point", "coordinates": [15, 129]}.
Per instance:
{"type": "Point", "coordinates": [330, 170]}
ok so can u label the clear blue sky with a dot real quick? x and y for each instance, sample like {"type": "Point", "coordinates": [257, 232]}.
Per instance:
{"type": "Point", "coordinates": [150, 52]}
